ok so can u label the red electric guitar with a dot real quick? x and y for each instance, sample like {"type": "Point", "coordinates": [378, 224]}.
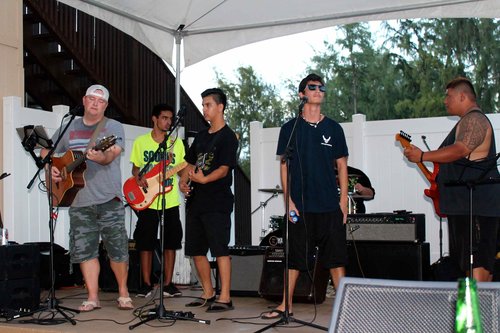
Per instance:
{"type": "Point", "coordinates": [140, 198]}
{"type": "Point", "coordinates": [432, 192]}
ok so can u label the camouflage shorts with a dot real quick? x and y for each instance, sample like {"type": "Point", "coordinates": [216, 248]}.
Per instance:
{"type": "Point", "coordinates": [106, 220]}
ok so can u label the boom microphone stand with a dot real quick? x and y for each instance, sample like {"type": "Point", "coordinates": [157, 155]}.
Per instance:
{"type": "Point", "coordinates": [51, 304]}
{"type": "Point", "coordinates": [285, 316]}
{"type": "Point", "coordinates": [160, 312]}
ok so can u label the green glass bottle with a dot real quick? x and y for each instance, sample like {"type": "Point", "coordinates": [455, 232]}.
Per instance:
{"type": "Point", "coordinates": [467, 316]}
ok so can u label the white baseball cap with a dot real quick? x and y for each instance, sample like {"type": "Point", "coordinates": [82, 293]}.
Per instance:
{"type": "Point", "coordinates": [94, 91]}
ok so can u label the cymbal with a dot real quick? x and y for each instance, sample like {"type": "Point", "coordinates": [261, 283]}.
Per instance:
{"type": "Point", "coordinates": [359, 196]}
{"type": "Point", "coordinates": [271, 190]}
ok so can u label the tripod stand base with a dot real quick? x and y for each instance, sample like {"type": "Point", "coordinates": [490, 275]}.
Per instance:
{"type": "Point", "coordinates": [161, 313]}
{"type": "Point", "coordinates": [51, 305]}
{"type": "Point", "coordinates": [287, 319]}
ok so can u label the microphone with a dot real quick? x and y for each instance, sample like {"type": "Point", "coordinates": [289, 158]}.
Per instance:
{"type": "Point", "coordinates": [303, 101]}
{"type": "Point", "coordinates": [77, 111]}
{"type": "Point", "coordinates": [3, 175]}
{"type": "Point", "coordinates": [181, 114]}
{"type": "Point", "coordinates": [182, 111]}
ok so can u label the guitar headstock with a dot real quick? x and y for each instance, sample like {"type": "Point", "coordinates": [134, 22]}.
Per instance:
{"type": "Point", "coordinates": [105, 142]}
{"type": "Point", "coordinates": [403, 138]}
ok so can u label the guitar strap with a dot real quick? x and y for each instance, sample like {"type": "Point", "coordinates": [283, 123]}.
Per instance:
{"type": "Point", "coordinates": [100, 125]}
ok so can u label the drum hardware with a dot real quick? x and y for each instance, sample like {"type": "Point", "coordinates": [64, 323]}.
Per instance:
{"type": "Point", "coordinates": [275, 191]}
{"type": "Point", "coordinates": [351, 204]}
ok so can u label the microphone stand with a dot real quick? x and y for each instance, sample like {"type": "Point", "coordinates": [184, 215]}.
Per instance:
{"type": "Point", "coordinates": [160, 312]}
{"type": "Point", "coordinates": [51, 303]}
{"type": "Point", "coordinates": [285, 317]}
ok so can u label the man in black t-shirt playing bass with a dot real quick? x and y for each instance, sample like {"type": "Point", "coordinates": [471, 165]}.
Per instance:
{"type": "Point", "coordinates": [207, 185]}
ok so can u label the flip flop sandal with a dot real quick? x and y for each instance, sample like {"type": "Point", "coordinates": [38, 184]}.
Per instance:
{"type": "Point", "coordinates": [88, 306]}
{"type": "Point", "coordinates": [274, 314]}
{"type": "Point", "coordinates": [200, 302]}
{"type": "Point", "coordinates": [125, 303]}
{"type": "Point", "coordinates": [220, 306]}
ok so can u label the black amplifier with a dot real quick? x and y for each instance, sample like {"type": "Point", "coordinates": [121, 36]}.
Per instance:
{"type": "Point", "coordinates": [246, 264]}
{"type": "Point", "coordinates": [397, 227]}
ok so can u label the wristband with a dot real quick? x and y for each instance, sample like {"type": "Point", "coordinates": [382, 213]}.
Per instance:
{"type": "Point", "coordinates": [421, 157]}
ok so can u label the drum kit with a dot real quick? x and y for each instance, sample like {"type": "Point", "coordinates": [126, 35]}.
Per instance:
{"type": "Point", "coordinates": [271, 234]}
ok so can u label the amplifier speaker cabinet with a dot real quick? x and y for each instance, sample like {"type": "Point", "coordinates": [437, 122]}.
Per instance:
{"type": "Point", "coordinates": [107, 280]}
{"type": "Point", "coordinates": [65, 273]}
{"type": "Point", "coordinates": [246, 269]}
{"type": "Point", "coordinates": [19, 261]}
{"type": "Point", "coordinates": [388, 260]}
{"type": "Point", "coordinates": [386, 227]}
{"type": "Point", "coordinates": [20, 295]}
{"type": "Point", "coordinates": [19, 278]}
{"type": "Point", "coordinates": [310, 288]}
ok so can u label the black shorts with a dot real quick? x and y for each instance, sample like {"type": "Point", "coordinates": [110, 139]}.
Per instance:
{"type": "Point", "coordinates": [323, 230]}
{"type": "Point", "coordinates": [206, 231]}
{"type": "Point", "coordinates": [146, 229]}
{"type": "Point", "coordinates": [484, 241]}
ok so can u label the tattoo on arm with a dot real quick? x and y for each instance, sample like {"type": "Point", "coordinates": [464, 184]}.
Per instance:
{"type": "Point", "coordinates": [472, 130]}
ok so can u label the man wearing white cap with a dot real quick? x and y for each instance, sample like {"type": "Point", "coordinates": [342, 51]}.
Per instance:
{"type": "Point", "coordinates": [97, 210]}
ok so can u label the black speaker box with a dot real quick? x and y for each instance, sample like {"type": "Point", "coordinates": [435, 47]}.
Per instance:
{"type": "Point", "coordinates": [20, 295]}
{"type": "Point", "coordinates": [389, 260]}
{"type": "Point", "coordinates": [310, 287]}
{"type": "Point", "coordinates": [19, 262]}
{"type": "Point", "coordinates": [381, 306]}
{"type": "Point", "coordinates": [246, 269]}
{"type": "Point", "coordinates": [65, 273]}
{"type": "Point", "coordinates": [107, 280]}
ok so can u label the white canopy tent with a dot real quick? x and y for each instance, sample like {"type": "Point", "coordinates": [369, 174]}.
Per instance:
{"type": "Point", "coordinates": [208, 27]}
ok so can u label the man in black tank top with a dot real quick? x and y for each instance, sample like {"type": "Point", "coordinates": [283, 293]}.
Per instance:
{"type": "Point", "coordinates": [467, 155]}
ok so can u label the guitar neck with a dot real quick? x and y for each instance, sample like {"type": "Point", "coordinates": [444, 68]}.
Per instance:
{"type": "Point", "coordinates": [425, 171]}
{"type": "Point", "coordinates": [79, 160]}
{"type": "Point", "coordinates": [406, 144]}
{"type": "Point", "coordinates": [175, 169]}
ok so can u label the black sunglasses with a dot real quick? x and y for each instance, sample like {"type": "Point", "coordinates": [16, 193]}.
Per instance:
{"type": "Point", "coordinates": [313, 87]}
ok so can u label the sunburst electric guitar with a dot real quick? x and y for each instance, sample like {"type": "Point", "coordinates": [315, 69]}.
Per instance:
{"type": "Point", "coordinates": [432, 192]}
{"type": "Point", "coordinates": [72, 167]}
{"type": "Point", "coordinates": [140, 198]}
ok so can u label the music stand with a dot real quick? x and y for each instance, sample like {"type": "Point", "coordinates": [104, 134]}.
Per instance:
{"type": "Point", "coordinates": [285, 318]}
{"type": "Point", "coordinates": [160, 312]}
{"type": "Point", "coordinates": [33, 137]}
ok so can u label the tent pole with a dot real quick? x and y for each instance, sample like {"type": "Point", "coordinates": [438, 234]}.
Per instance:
{"type": "Point", "coordinates": [178, 40]}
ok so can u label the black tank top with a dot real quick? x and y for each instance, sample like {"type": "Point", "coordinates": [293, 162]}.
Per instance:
{"type": "Point", "coordinates": [454, 199]}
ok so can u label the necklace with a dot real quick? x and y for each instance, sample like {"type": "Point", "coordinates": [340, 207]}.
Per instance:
{"type": "Point", "coordinates": [313, 124]}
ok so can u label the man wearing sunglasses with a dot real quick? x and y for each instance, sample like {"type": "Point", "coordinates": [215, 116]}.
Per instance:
{"type": "Point", "coordinates": [311, 147]}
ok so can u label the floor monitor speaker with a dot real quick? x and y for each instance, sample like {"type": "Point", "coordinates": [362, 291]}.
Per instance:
{"type": "Point", "coordinates": [381, 306]}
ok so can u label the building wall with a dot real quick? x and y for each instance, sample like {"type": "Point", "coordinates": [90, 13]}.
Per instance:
{"type": "Point", "coordinates": [11, 66]}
